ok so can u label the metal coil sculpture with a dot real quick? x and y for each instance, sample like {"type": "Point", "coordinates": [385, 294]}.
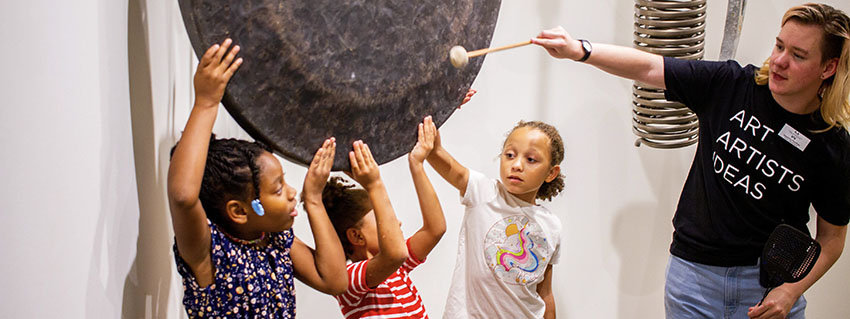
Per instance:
{"type": "Point", "coordinates": [674, 28]}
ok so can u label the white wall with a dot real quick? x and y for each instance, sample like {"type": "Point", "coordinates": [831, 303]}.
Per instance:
{"type": "Point", "coordinates": [95, 92]}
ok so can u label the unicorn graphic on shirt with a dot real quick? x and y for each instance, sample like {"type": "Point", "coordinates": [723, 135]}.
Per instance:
{"type": "Point", "coordinates": [524, 258]}
{"type": "Point", "coordinates": [516, 250]}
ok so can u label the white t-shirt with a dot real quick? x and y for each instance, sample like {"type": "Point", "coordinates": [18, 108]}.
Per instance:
{"type": "Point", "coordinates": [504, 247]}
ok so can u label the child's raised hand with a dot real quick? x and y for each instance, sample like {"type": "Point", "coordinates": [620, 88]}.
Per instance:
{"type": "Point", "coordinates": [468, 97]}
{"type": "Point", "coordinates": [364, 169]}
{"type": "Point", "coordinates": [437, 142]}
{"type": "Point", "coordinates": [425, 143]}
{"type": "Point", "coordinates": [320, 169]}
{"type": "Point", "coordinates": [214, 71]}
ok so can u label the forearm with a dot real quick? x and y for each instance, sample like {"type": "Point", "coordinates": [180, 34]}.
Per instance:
{"type": "Point", "coordinates": [549, 301]}
{"type": "Point", "coordinates": [391, 239]}
{"type": "Point", "coordinates": [433, 220]}
{"type": "Point", "coordinates": [329, 256]}
{"type": "Point", "coordinates": [450, 169]}
{"type": "Point", "coordinates": [186, 169]}
{"type": "Point", "coordinates": [629, 63]}
{"type": "Point", "coordinates": [831, 249]}
{"type": "Point", "coordinates": [544, 290]}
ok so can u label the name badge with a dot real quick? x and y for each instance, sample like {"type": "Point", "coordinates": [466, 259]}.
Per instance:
{"type": "Point", "coordinates": [790, 135]}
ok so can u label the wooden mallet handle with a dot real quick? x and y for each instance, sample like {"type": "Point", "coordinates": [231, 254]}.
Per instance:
{"type": "Point", "coordinates": [488, 50]}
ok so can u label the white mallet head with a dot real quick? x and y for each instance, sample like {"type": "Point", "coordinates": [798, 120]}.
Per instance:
{"type": "Point", "coordinates": [458, 56]}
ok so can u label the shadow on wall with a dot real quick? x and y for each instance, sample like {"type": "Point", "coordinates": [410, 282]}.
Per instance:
{"type": "Point", "coordinates": [637, 232]}
{"type": "Point", "coordinates": [147, 285]}
{"type": "Point", "coordinates": [641, 233]}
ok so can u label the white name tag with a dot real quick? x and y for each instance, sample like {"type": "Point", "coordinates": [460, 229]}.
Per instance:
{"type": "Point", "coordinates": [794, 137]}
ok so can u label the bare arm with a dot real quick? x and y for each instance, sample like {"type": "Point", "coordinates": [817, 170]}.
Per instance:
{"type": "Point", "coordinates": [440, 159]}
{"type": "Point", "coordinates": [779, 301]}
{"type": "Point", "coordinates": [544, 290]}
{"type": "Point", "coordinates": [433, 220]}
{"type": "Point", "coordinates": [449, 168]}
{"type": "Point", "coordinates": [621, 61]}
{"type": "Point", "coordinates": [322, 268]}
{"type": "Point", "coordinates": [393, 251]}
{"type": "Point", "coordinates": [189, 159]}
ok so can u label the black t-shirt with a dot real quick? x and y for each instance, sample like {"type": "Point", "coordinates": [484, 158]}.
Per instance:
{"type": "Point", "coordinates": [756, 165]}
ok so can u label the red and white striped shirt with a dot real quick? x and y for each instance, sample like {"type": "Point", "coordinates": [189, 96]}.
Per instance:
{"type": "Point", "coordinates": [396, 297]}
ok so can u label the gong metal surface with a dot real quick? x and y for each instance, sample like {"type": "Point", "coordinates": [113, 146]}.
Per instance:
{"type": "Point", "coordinates": [355, 70]}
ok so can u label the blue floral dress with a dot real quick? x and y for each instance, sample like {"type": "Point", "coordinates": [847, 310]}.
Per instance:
{"type": "Point", "coordinates": [250, 282]}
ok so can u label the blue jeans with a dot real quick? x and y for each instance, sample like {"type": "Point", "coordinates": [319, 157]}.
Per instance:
{"type": "Point", "coordinates": [695, 290]}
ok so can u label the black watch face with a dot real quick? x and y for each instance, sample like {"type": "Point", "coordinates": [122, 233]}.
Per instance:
{"type": "Point", "coordinates": [585, 46]}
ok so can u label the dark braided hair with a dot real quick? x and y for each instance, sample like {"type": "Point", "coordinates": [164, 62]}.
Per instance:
{"type": "Point", "coordinates": [346, 205]}
{"type": "Point", "coordinates": [231, 172]}
{"type": "Point", "coordinates": [556, 146]}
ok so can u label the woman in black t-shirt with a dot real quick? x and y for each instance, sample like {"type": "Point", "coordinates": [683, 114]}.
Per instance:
{"type": "Point", "coordinates": [773, 142]}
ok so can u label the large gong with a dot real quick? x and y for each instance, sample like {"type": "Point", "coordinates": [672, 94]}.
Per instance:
{"type": "Point", "coordinates": [368, 69]}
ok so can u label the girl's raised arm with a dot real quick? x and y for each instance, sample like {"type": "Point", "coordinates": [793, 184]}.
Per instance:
{"type": "Point", "coordinates": [393, 251]}
{"type": "Point", "coordinates": [440, 159]}
{"type": "Point", "coordinates": [322, 268]}
{"type": "Point", "coordinates": [433, 220]}
{"type": "Point", "coordinates": [189, 158]}
{"type": "Point", "coordinates": [446, 165]}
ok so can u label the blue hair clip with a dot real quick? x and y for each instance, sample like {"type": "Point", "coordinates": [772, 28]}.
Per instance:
{"type": "Point", "coordinates": [258, 207]}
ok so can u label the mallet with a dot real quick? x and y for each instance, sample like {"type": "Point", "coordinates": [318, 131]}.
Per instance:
{"type": "Point", "coordinates": [459, 57]}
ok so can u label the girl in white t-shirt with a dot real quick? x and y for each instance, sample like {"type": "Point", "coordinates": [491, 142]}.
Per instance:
{"type": "Point", "coordinates": [508, 243]}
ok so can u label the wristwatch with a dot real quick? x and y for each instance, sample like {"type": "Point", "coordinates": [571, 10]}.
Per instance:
{"type": "Point", "coordinates": [587, 48]}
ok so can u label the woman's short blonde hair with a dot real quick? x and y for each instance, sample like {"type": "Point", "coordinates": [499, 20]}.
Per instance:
{"type": "Point", "coordinates": [834, 107]}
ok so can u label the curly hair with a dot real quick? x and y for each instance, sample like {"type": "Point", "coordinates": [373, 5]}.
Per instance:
{"type": "Point", "coordinates": [231, 172]}
{"type": "Point", "coordinates": [346, 205]}
{"type": "Point", "coordinates": [556, 154]}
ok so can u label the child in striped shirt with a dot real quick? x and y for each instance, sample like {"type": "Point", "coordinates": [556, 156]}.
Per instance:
{"type": "Point", "coordinates": [379, 285]}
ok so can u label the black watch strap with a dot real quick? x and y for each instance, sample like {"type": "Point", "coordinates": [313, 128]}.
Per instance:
{"type": "Point", "coordinates": [587, 48]}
